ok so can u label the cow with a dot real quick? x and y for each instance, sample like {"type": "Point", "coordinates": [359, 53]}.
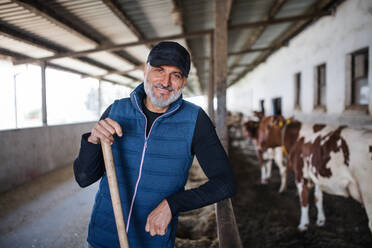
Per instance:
{"type": "Point", "coordinates": [259, 114]}
{"type": "Point", "coordinates": [266, 135]}
{"type": "Point", "coordinates": [336, 159]}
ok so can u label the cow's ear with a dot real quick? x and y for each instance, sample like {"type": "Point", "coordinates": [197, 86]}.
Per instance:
{"type": "Point", "coordinates": [275, 120]}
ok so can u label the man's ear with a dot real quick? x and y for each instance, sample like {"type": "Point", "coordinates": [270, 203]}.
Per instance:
{"type": "Point", "coordinates": [184, 81]}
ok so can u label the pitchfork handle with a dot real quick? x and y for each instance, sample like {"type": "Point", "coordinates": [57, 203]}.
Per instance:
{"type": "Point", "coordinates": [114, 192]}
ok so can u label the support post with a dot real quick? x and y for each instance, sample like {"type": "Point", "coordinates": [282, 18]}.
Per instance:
{"type": "Point", "coordinates": [228, 233]}
{"type": "Point", "coordinates": [99, 97]}
{"type": "Point", "coordinates": [211, 83]}
{"type": "Point", "coordinates": [15, 100]}
{"type": "Point", "coordinates": [43, 95]}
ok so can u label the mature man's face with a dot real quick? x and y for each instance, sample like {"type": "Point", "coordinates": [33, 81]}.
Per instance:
{"type": "Point", "coordinates": [163, 84]}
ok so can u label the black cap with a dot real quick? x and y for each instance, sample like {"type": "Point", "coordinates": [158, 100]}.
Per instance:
{"type": "Point", "coordinates": [170, 53]}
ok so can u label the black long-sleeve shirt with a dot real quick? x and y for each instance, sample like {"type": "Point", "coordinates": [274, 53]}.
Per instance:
{"type": "Point", "coordinates": [89, 166]}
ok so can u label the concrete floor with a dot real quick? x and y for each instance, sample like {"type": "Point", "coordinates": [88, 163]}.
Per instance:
{"type": "Point", "coordinates": [51, 211]}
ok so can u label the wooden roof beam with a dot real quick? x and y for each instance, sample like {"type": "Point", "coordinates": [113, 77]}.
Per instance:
{"type": "Point", "coordinates": [229, 5]}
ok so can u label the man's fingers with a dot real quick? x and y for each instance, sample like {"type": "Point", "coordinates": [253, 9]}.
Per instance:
{"type": "Point", "coordinates": [155, 226]}
{"type": "Point", "coordinates": [105, 130]}
{"type": "Point", "coordinates": [101, 129]}
{"type": "Point", "coordinates": [152, 229]}
{"type": "Point", "coordinates": [102, 133]}
{"type": "Point", "coordinates": [106, 125]}
{"type": "Point", "coordinates": [115, 125]}
{"type": "Point", "coordinates": [159, 219]}
{"type": "Point", "coordinates": [161, 231]}
{"type": "Point", "coordinates": [102, 137]}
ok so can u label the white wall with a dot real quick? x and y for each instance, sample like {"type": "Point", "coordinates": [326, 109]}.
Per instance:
{"type": "Point", "coordinates": [329, 40]}
{"type": "Point", "coordinates": [30, 152]}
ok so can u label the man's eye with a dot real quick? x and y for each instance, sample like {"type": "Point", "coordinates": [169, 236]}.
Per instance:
{"type": "Point", "coordinates": [177, 75]}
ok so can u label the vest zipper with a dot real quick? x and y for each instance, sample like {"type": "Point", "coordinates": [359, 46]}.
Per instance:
{"type": "Point", "coordinates": [143, 156]}
{"type": "Point", "coordinates": [138, 180]}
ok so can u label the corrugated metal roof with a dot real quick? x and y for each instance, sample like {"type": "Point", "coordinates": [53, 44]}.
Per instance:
{"type": "Point", "coordinates": [270, 34]}
{"type": "Point", "coordinates": [295, 7]}
{"type": "Point", "coordinates": [118, 78]}
{"type": "Point", "coordinates": [136, 73]}
{"type": "Point", "coordinates": [249, 11]}
{"type": "Point", "coordinates": [198, 14]}
{"type": "Point", "coordinates": [111, 60]}
{"type": "Point", "coordinates": [237, 39]}
{"type": "Point", "coordinates": [23, 48]}
{"type": "Point", "coordinates": [152, 17]}
{"type": "Point", "coordinates": [41, 27]}
{"type": "Point", "coordinates": [97, 16]}
{"type": "Point", "coordinates": [78, 65]}
{"type": "Point", "coordinates": [38, 29]}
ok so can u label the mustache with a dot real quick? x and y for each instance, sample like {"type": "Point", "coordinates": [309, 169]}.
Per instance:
{"type": "Point", "coordinates": [169, 88]}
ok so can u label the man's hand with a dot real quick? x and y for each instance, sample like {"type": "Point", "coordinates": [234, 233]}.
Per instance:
{"type": "Point", "coordinates": [158, 220]}
{"type": "Point", "coordinates": [105, 130]}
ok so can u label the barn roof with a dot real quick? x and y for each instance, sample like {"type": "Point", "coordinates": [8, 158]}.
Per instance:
{"type": "Point", "coordinates": [110, 39]}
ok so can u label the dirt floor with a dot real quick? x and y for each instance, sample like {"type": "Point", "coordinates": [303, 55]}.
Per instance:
{"type": "Point", "coordinates": [53, 211]}
{"type": "Point", "coordinates": [197, 228]}
{"type": "Point", "coordinates": [268, 219]}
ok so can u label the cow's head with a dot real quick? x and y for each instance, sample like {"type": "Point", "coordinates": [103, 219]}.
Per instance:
{"type": "Point", "coordinates": [277, 121]}
{"type": "Point", "coordinates": [260, 115]}
{"type": "Point", "coordinates": [250, 129]}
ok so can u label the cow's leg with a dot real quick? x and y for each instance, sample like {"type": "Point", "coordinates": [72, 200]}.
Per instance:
{"type": "Point", "coordinates": [263, 174]}
{"type": "Point", "coordinates": [262, 162]}
{"type": "Point", "coordinates": [282, 168]}
{"type": "Point", "coordinates": [319, 205]}
{"type": "Point", "coordinates": [269, 163]}
{"type": "Point", "coordinates": [303, 193]}
{"type": "Point", "coordinates": [268, 167]}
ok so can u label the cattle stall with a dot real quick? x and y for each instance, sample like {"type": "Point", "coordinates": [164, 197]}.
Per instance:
{"type": "Point", "coordinates": [267, 218]}
{"type": "Point", "coordinates": [321, 80]}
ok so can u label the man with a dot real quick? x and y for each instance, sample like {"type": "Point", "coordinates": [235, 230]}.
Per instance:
{"type": "Point", "coordinates": [154, 135]}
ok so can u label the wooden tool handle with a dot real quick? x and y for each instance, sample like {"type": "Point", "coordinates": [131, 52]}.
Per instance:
{"type": "Point", "coordinates": [114, 192]}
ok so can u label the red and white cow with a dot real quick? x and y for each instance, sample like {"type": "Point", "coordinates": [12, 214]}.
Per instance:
{"type": "Point", "coordinates": [337, 159]}
{"type": "Point", "coordinates": [267, 137]}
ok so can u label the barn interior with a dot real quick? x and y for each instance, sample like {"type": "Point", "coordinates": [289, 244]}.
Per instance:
{"type": "Point", "coordinates": [63, 62]}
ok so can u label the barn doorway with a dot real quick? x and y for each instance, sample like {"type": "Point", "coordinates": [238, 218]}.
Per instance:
{"type": "Point", "coordinates": [262, 106]}
{"type": "Point", "coordinates": [277, 106]}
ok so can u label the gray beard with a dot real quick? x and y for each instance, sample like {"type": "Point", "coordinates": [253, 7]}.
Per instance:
{"type": "Point", "coordinates": [158, 102]}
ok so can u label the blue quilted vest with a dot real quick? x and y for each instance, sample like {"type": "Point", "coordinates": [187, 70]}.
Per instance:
{"type": "Point", "coordinates": [148, 170]}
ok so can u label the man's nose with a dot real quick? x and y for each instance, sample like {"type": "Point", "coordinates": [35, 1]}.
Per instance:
{"type": "Point", "coordinates": [166, 80]}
